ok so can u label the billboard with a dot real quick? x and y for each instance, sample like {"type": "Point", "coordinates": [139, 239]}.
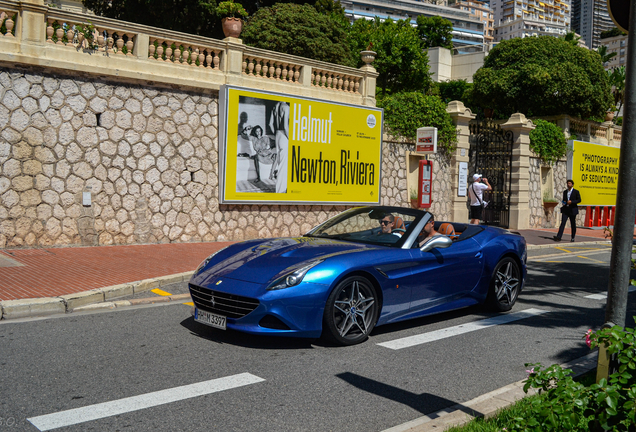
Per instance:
{"type": "Point", "coordinates": [594, 169]}
{"type": "Point", "coordinates": [281, 149]}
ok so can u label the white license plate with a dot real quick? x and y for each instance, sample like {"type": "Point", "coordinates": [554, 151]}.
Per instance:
{"type": "Point", "coordinates": [210, 319]}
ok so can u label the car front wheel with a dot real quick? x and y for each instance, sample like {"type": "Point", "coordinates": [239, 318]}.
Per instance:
{"type": "Point", "coordinates": [504, 285]}
{"type": "Point", "coordinates": [351, 311]}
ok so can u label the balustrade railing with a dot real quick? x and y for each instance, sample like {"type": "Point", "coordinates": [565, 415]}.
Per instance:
{"type": "Point", "coordinates": [7, 18]}
{"type": "Point", "coordinates": [71, 37]}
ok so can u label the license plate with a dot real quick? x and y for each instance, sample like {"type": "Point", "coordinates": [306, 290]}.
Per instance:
{"type": "Point", "coordinates": [210, 319]}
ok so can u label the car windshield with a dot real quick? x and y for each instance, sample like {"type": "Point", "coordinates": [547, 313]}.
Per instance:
{"type": "Point", "coordinates": [389, 226]}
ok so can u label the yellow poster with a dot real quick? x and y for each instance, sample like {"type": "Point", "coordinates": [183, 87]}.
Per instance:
{"type": "Point", "coordinates": [594, 169]}
{"type": "Point", "coordinates": [276, 148]}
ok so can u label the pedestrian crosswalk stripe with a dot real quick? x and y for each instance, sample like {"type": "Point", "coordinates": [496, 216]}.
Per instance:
{"type": "Point", "coordinates": [135, 403]}
{"type": "Point", "coordinates": [604, 295]}
{"type": "Point", "coordinates": [460, 329]}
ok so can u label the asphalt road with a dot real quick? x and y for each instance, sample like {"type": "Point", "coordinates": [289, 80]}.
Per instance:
{"type": "Point", "coordinates": [79, 360]}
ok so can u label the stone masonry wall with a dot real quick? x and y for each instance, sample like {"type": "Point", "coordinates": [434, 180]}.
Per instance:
{"type": "Point", "coordinates": [146, 156]}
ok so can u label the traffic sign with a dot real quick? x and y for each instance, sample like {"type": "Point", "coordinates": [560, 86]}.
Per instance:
{"type": "Point", "coordinates": [619, 11]}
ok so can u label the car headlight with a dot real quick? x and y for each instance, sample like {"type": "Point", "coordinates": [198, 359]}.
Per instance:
{"type": "Point", "coordinates": [292, 278]}
{"type": "Point", "coordinates": [207, 260]}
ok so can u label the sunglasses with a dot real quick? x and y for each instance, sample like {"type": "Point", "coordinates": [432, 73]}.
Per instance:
{"type": "Point", "coordinates": [385, 222]}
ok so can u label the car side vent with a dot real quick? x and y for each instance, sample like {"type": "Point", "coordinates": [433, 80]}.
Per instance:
{"type": "Point", "coordinates": [229, 305]}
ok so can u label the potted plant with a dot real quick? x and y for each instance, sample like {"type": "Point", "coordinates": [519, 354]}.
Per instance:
{"type": "Point", "coordinates": [549, 202]}
{"type": "Point", "coordinates": [609, 115]}
{"type": "Point", "coordinates": [231, 14]}
{"type": "Point", "coordinates": [414, 199]}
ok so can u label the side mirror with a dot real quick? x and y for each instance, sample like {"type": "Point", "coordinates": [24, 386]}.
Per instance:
{"type": "Point", "coordinates": [440, 242]}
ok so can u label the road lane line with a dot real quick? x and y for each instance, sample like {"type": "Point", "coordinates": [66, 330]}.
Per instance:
{"type": "Point", "coordinates": [135, 403]}
{"type": "Point", "coordinates": [460, 329]}
{"type": "Point", "coordinates": [592, 259]}
{"type": "Point", "coordinates": [160, 292]}
{"type": "Point", "coordinates": [604, 295]}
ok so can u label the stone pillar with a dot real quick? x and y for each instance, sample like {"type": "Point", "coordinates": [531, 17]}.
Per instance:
{"type": "Point", "coordinates": [31, 25]}
{"type": "Point", "coordinates": [233, 61]}
{"type": "Point", "coordinates": [461, 117]}
{"type": "Point", "coordinates": [520, 188]}
{"type": "Point", "coordinates": [142, 43]}
{"type": "Point", "coordinates": [367, 89]}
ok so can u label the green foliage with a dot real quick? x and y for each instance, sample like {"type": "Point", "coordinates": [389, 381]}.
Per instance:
{"type": "Point", "coordinates": [405, 112]}
{"type": "Point", "coordinates": [454, 90]}
{"type": "Point", "coordinates": [229, 9]}
{"type": "Point", "coordinates": [542, 76]}
{"type": "Point", "coordinates": [88, 30]}
{"type": "Point", "coordinates": [188, 16]}
{"type": "Point", "coordinates": [400, 61]}
{"type": "Point", "coordinates": [611, 33]}
{"type": "Point", "coordinates": [572, 38]}
{"type": "Point", "coordinates": [548, 141]}
{"type": "Point", "coordinates": [298, 30]}
{"type": "Point", "coordinates": [435, 31]}
{"type": "Point", "coordinates": [616, 78]}
{"type": "Point", "coordinates": [618, 121]}
{"type": "Point", "coordinates": [605, 56]}
{"type": "Point", "coordinates": [567, 405]}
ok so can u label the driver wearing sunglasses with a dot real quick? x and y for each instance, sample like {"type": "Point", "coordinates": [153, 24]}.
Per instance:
{"type": "Point", "coordinates": [386, 225]}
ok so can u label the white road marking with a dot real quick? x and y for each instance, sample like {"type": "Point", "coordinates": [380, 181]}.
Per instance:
{"type": "Point", "coordinates": [460, 329]}
{"type": "Point", "coordinates": [135, 403]}
{"type": "Point", "coordinates": [604, 295]}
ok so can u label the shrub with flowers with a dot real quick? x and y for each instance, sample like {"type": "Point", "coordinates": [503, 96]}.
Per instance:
{"type": "Point", "coordinates": [566, 405]}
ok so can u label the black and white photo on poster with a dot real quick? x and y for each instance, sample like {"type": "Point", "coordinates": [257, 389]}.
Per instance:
{"type": "Point", "coordinates": [262, 142]}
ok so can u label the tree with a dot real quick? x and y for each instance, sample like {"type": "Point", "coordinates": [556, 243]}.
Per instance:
{"type": "Point", "coordinates": [435, 32]}
{"type": "Point", "coordinates": [299, 30]}
{"type": "Point", "coordinates": [454, 90]}
{"type": "Point", "coordinates": [542, 76]}
{"type": "Point", "coordinates": [407, 111]}
{"type": "Point", "coordinates": [400, 61]}
{"type": "Point", "coordinates": [617, 82]}
{"type": "Point", "coordinates": [605, 56]}
{"type": "Point", "coordinates": [188, 16]}
{"type": "Point", "coordinates": [572, 38]}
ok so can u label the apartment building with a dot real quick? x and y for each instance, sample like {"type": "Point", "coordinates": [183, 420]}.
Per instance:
{"type": "Point", "coordinates": [468, 31]}
{"type": "Point", "coordinates": [591, 18]}
{"type": "Point", "coordinates": [479, 10]}
{"type": "Point", "coordinates": [618, 45]}
{"type": "Point", "coordinates": [524, 18]}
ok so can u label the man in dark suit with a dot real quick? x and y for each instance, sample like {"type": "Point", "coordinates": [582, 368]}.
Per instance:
{"type": "Point", "coordinates": [569, 210]}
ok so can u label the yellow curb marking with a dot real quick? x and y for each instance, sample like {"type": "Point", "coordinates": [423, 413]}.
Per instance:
{"type": "Point", "coordinates": [563, 249]}
{"type": "Point", "coordinates": [160, 292]}
{"type": "Point", "coordinates": [188, 304]}
{"type": "Point", "coordinates": [591, 259]}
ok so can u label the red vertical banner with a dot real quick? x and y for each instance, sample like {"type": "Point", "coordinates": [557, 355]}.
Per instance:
{"type": "Point", "coordinates": [425, 183]}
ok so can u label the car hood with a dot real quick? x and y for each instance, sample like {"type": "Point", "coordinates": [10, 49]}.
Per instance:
{"type": "Point", "coordinates": [264, 261]}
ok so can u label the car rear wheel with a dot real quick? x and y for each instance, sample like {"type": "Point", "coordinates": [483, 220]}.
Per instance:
{"type": "Point", "coordinates": [504, 285]}
{"type": "Point", "coordinates": [351, 311]}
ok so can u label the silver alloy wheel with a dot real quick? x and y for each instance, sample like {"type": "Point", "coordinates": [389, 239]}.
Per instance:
{"type": "Point", "coordinates": [351, 311]}
{"type": "Point", "coordinates": [507, 283]}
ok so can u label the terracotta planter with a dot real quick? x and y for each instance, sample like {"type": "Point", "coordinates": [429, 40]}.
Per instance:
{"type": "Point", "coordinates": [232, 27]}
{"type": "Point", "coordinates": [609, 116]}
{"type": "Point", "coordinates": [415, 203]}
{"type": "Point", "coordinates": [549, 205]}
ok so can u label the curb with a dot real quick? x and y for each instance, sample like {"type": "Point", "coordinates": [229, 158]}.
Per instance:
{"type": "Point", "coordinates": [14, 309]}
{"type": "Point", "coordinates": [486, 405]}
{"type": "Point", "coordinates": [555, 244]}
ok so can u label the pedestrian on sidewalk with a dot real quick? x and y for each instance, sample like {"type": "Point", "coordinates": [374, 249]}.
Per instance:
{"type": "Point", "coordinates": [569, 210]}
{"type": "Point", "coordinates": [476, 194]}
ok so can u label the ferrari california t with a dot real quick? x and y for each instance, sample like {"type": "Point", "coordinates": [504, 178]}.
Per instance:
{"type": "Point", "coordinates": [365, 267]}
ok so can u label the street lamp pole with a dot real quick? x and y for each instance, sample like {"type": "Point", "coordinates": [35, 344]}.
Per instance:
{"type": "Point", "coordinates": [623, 235]}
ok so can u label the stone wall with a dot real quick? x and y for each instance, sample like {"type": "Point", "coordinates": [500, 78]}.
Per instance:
{"type": "Point", "coordinates": [540, 216]}
{"type": "Point", "coordinates": [147, 157]}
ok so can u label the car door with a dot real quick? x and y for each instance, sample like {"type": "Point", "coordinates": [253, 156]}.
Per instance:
{"type": "Point", "coordinates": [441, 276]}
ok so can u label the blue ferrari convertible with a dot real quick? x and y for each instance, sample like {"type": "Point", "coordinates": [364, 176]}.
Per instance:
{"type": "Point", "coordinates": [365, 267]}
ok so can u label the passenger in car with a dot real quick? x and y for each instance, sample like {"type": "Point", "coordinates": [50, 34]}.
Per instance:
{"type": "Point", "coordinates": [386, 225]}
{"type": "Point", "coordinates": [428, 231]}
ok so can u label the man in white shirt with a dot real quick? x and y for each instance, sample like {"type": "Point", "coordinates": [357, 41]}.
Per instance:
{"type": "Point", "coordinates": [476, 194]}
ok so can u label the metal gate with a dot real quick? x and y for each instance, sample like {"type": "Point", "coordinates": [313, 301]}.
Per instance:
{"type": "Point", "coordinates": [491, 156]}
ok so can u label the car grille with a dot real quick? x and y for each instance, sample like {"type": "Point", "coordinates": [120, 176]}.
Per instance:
{"type": "Point", "coordinates": [229, 305]}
